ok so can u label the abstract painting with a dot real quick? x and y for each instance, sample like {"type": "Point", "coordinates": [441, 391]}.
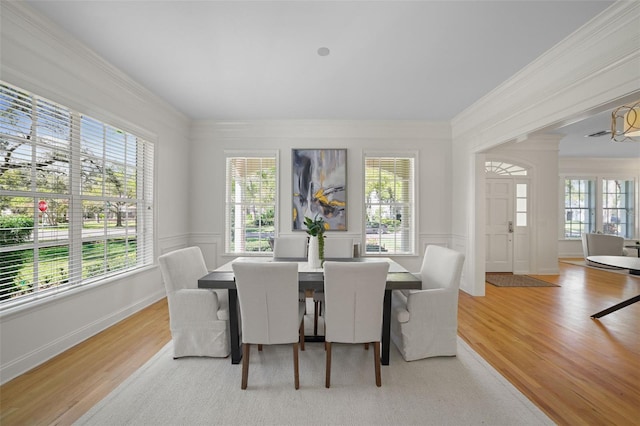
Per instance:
{"type": "Point", "coordinates": [320, 187]}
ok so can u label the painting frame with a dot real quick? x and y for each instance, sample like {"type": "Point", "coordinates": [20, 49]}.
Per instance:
{"type": "Point", "coordinates": [319, 187]}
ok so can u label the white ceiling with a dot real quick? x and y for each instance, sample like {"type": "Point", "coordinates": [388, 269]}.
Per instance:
{"type": "Point", "coordinates": [389, 60]}
{"type": "Point", "coordinates": [576, 143]}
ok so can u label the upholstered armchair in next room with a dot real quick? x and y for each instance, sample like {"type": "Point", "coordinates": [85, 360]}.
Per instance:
{"type": "Point", "coordinates": [602, 245]}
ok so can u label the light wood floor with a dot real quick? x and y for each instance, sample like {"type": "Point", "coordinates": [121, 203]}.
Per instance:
{"type": "Point", "coordinates": [576, 369]}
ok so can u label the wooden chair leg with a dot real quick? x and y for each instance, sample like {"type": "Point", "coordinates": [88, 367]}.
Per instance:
{"type": "Point", "coordinates": [315, 318]}
{"type": "Point", "coordinates": [325, 333]}
{"type": "Point", "coordinates": [327, 382]}
{"type": "Point", "coordinates": [366, 346]}
{"type": "Point", "coordinates": [260, 347]}
{"type": "Point", "coordinates": [296, 376]}
{"type": "Point", "coordinates": [376, 360]}
{"type": "Point", "coordinates": [302, 335]}
{"type": "Point", "coordinates": [245, 364]}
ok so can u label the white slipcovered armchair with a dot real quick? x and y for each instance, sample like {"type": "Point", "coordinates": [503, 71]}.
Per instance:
{"type": "Point", "coordinates": [424, 323]}
{"type": "Point", "coordinates": [198, 318]}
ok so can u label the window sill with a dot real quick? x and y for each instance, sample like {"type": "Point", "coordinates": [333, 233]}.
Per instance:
{"type": "Point", "coordinates": [36, 301]}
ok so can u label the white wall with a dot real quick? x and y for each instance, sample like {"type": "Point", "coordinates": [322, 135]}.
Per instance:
{"type": "Point", "coordinates": [594, 69]}
{"type": "Point", "coordinates": [38, 57]}
{"type": "Point", "coordinates": [431, 141]}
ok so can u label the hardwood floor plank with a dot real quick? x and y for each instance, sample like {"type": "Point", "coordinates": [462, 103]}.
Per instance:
{"type": "Point", "coordinates": [65, 387]}
{"type": "Point", "coordinates": [576, 369]}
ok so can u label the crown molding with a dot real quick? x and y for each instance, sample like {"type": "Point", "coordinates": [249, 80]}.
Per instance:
{"type": "Point", "coordinates": [612, 166]}
{"type": "Point", "coordinates": [594, 66]}
{"type": "Point", "coordinates": [31, 40]}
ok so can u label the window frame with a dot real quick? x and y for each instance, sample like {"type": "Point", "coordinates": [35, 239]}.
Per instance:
{"type": "Point", "coordinates": [139, 244]}
{"type": "Point", "coordinates": [226, 214]}
{"type": "Point", "coordinates": [630, 210]}
{"type": "Point", "coordinates": [591, 209]}
{"type": "Point", "coordinates": [597, 208]}
{"type": "Point", "coordinates": [412, 207]}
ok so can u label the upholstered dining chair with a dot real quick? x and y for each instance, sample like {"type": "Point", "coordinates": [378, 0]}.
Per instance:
{"type": "Point", "coordinates": [354, 294]}
{"type": "Point", "coordinates": [424, 323]}
{"type": "Point", "coordinates": [338, 248]}
{"type": "Point", "coordinates": [291, 247]}
{"type": "Point", "coordinates": [334, 248]}
{"type": "Point", "coordinates": [198, 318]}
{"type": "Point", "coordinates": [270, 310]}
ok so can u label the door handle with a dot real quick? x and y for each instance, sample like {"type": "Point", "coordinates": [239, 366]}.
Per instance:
{"type": "Point", "coordinates": [511, 227]}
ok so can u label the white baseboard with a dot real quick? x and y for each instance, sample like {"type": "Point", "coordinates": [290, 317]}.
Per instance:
{"type": "Point", "coordinates": [28, 361]}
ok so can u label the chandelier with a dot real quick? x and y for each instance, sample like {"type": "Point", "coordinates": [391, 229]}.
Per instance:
{"type": "Point", "coordinates": [625, 123]}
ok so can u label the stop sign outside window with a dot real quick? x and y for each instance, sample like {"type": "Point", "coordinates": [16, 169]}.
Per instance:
{"type": "Point", "coordinates": [42, 206]}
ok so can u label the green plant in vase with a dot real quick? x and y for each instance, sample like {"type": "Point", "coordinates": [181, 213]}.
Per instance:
{"type": "Point", "coordinates": [316, 228]}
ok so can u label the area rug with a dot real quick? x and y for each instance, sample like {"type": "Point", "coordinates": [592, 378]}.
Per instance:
{"type": "Point", "coordinates": [462, 390]}
{"type": "Point", "coordinates": [511, 280]}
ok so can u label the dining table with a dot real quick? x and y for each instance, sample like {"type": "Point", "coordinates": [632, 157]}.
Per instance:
{"type": "Point", "coordinates": [622, 262]}
{"type": "Point", "coordinates": [398, 278]}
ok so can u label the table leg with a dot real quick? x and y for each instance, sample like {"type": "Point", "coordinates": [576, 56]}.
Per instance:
{"type": "Point", "coordinates": [234, 327]}
{"type": "Point", "coordinates": [386, 327]}
{"type": "Point", "coordinates": [616, 307]}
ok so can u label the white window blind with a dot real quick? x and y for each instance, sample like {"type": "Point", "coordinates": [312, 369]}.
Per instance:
{"type": "Point", "coordinates": [76, 198]}
{"type": "Point", "coordinates": [251, 185]}
{"type": "Point", "coordinates": [389, 204]}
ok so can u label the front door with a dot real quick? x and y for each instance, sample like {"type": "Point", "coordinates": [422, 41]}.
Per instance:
{"type": "Point", "coordinates": [500, 226]}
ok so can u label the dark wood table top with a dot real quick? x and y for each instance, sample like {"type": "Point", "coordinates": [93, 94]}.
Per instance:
{"type": "Point", "coordinates": [397, 278]}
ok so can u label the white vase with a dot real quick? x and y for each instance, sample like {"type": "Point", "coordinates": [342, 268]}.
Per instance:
{"type": "Point", "coordinates": [313, 255]}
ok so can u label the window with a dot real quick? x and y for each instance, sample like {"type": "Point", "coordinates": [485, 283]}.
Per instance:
{"type": "Point", "coordinates": [579, 207]}
{"type": "Point", "coordinates": [250, 202]}
{"type": "Point", "coordinates": [389, 204]}
{"type": "Point", "coordinates": [521, 204]}
{"type": "Point", "coordinates": [612, 198]}
{"type": "Point", "coordinates": [500, 168]}
{"type": "Point", "coordinates": [76, 198]}
{"type": "Point", "coordinates": [617, 207]}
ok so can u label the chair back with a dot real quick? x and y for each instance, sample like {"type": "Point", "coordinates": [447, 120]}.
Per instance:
{"type": "Point", "coordinates": [441, 268]}
{"type": "Point", "coordinates": [289, 246]}
{"type": "Point", "coordinates": [268, 297]}
{"type": "Point", "coordinates": [354, 294]}
{"type": "Point", "coordinates": [602, 245]}
{"type": "Point", "coordinates": [338, 248]}
{"type": "Point", "coordinates": [182, 268]}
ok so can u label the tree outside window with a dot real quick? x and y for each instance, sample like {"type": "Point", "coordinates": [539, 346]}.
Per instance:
{"type": "Point", "coordinates": [250, 203]}
{"type": "Point", "coordinates": [71, 187]}
{"type": "Point", "coordinates": [389, 205]}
